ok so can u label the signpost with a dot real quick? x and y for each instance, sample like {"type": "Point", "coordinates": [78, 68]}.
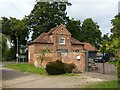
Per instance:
{"type": "Point", "coordinates": [17, 55]}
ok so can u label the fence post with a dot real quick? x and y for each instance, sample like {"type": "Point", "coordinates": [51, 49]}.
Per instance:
{"type": "Point", "coordinates": [87, 64]}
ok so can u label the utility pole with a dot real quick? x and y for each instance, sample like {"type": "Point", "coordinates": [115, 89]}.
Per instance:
{"type": "Point", "coordinates": [17, 52]}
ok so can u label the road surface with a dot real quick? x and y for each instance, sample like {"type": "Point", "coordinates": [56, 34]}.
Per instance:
{"type": "Point", "coordinates": [16, 79]}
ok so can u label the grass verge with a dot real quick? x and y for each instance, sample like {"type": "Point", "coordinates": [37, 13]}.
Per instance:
{"type": "Point", "coordinates": [107, 84]}
{"type": "Point", "coordinates": [27, 68]}
{"type": "Point", "coordinates": [31, 69]}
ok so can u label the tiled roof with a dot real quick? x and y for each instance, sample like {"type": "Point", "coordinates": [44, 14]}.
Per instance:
{"type": "Point", "coordinates": [52, 30]}
{"type": "Point", "coordinates": [89, 47]}
{"type": "Point", "coordinates": [75, 41]}
{"type": "Point", "coordinates": [43, 38]}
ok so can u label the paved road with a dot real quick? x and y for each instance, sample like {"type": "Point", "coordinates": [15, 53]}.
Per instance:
{"type": "Point", "coordinates": [16, 79]}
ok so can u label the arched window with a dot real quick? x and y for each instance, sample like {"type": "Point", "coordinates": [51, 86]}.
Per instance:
{"type": "Point", "coordinates": [62, 40]}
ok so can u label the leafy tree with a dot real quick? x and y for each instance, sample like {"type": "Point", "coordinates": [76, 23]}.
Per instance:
{"type": "Point", "coordinates": [3, 45]}
{"type": "Point", "coordinates": [116, 29]}
{"type": "Point", "coordinates": [74, 27]}
{"type": "Point", "coordinates": [15, 28]}
{"type": "Point", "coordinates": [116, 37]}
{"type": "Point", "coordinates": [47, 15]}
{"type": "Point", "coordinates": [90, 32]}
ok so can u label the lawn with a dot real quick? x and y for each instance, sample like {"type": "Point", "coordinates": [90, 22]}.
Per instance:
{"type": "Point", "coordinates": [31, 69]}
{"type": "Point", "coordinates": [107, 84]}
{"type": "Point", "coordinates": [27, 68]}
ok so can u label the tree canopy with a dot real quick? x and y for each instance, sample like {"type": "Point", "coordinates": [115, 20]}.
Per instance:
{"type": "Point", "coordinates": [90, 32]}
{"type": "Point", "coordinates": [47, 15]}
{"type": "Point", "coordinates": [15, 28]}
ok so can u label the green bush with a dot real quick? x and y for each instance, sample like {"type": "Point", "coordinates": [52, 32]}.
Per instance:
{"type": "Point", "coordinates": [69, 67]}
{"type": "Point", "coordinates": [58, 67]}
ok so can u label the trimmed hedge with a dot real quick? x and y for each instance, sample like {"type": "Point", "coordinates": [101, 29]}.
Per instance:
{"type": "Point", "coordinates": [58, 67]}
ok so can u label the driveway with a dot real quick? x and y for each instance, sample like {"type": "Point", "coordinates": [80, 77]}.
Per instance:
{"type": "Point", "coordinates": [16, 79]}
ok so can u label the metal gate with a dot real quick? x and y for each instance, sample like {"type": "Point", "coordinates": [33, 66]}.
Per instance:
{"type": "Point", "coordinates": [104, 68]}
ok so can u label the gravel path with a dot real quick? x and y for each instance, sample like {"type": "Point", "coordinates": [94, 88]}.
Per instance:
{"type": "Point", "coordinates": [16, 79]}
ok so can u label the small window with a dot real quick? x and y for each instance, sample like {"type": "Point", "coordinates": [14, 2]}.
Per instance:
{"type": "Point", "coordinates": [62, 40]}
{"type": "Point", "coordinates": [77, 50]}
{"type": "Point", "coordinates": [63, 50]}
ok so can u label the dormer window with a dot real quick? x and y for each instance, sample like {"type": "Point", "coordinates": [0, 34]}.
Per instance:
{"type": "Point", "coordinates": [62, 41]}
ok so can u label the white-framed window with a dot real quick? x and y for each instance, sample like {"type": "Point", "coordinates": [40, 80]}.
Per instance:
{"type": "Point", "coordinates": [62, 41]}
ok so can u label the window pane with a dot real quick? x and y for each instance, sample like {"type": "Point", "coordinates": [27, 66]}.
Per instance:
{"type": "Point", "coordinates": [62, 40]}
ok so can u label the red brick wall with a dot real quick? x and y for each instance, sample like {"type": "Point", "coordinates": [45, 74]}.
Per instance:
{"type": "Point", "coordinates": [77, 47]}
{"type": "Point", "coordinates": [55, 38]}
{"type": "Point", "coordinates": [31, 52]}
{"type": "Point", "coordinates": [66, 58]}
{"type": "Point", "coordinates": [67, 44]}
{"type": "Point", "coordinates": [38, 47]}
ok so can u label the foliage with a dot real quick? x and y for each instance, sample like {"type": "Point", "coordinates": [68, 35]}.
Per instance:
{"type": "Point", "coordinates": [113, 62]}
{"type": "Point", "coordinates": [42, 53]}
{"type": "Point", "coordinates": [90, 32]}
{"type": "Point", "coordinates": [58, 67]}
{"type": "Point", "coordinates": [116, 37]}
{"type": "Point", "coordinates": [27, 68]}
{"type": "Point", "coordinates": [116, 26]}
{"type": "Point", "coordinates": [4, 45]}
{"type": "Point", "coordinates": [69, 67]}
{"type": "Point", "coordinates": [74, 28]}
{"type": "Point", "coordinates": [47, 15]}
{"type": "Point", "coordinates": [15, 28]}
{"type": "Point", "coordinates": [116, 32]}
{"type": "Point", "coordinates": [55, 68]}
{"type": "Point", "coordinates": [111, 44]}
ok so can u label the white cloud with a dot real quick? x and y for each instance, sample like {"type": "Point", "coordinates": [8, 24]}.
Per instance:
{"type": "Point", "coordinates": [16, 8]}
{"type": "Point", "coordinates": [101, 11]}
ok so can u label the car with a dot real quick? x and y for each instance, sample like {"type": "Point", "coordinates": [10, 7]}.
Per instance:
{"type": "Point", "coordinates": [102, 58]}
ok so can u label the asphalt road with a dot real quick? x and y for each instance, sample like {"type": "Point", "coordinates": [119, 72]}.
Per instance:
{"type": "Point", "coordinates": [17, 79]}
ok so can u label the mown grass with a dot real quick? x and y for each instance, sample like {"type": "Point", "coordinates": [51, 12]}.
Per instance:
{"type": "Point", "coordinates": [32, 69]}
{"type": "Point", "coordinates": [107, 84]}
{"type": "Point", "coordinates": [27, 68]}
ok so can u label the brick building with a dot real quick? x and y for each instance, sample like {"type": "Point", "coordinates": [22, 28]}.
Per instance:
{"type": "Point", "coordinates": [57, 39]}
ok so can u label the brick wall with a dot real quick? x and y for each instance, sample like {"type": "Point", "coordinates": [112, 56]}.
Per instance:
{"type": "Point", "coordinates": [31, 51]}
{"type": "Point", "coordinates": [65, 57]}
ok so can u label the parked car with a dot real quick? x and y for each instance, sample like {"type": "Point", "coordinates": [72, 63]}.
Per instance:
{"type": "Point", "coordinates": [102, 58]}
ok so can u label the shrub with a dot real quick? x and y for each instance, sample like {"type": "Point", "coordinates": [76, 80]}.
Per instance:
{"type": "Point", "coordinates": [69, 67]}
{"type": "Point", "coordinates": [58, 67]}
{"type": "Point", "coordinates": [55, 68]}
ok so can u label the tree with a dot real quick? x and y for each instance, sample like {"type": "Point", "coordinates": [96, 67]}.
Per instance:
{"type": "Point", "coordinates": [75, 29]}
{"type": "Point", "coordinates": [90, 32]}
{"type": "Point", "coordinates": [116, 37]}
{"type": "Point", "coordinates": [3, 45]}
{"type": "Point", "coordinates": [116, 29]}
{"type": "Point", "coordinates": [15, 28]}
{"type": "Point", "coordinates": [47, 15]}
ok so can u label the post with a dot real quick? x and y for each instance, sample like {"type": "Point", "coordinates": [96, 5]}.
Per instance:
{"type": "Point", "coordinates": [17, 52]}
{"type": "Point", "coordinates": [103, 60]}
{"type": "Point", "coordinates": [87, 62]}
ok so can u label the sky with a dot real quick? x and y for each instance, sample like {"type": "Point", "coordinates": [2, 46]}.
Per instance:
{"type": "Point", "coordinates": [101, 11]}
